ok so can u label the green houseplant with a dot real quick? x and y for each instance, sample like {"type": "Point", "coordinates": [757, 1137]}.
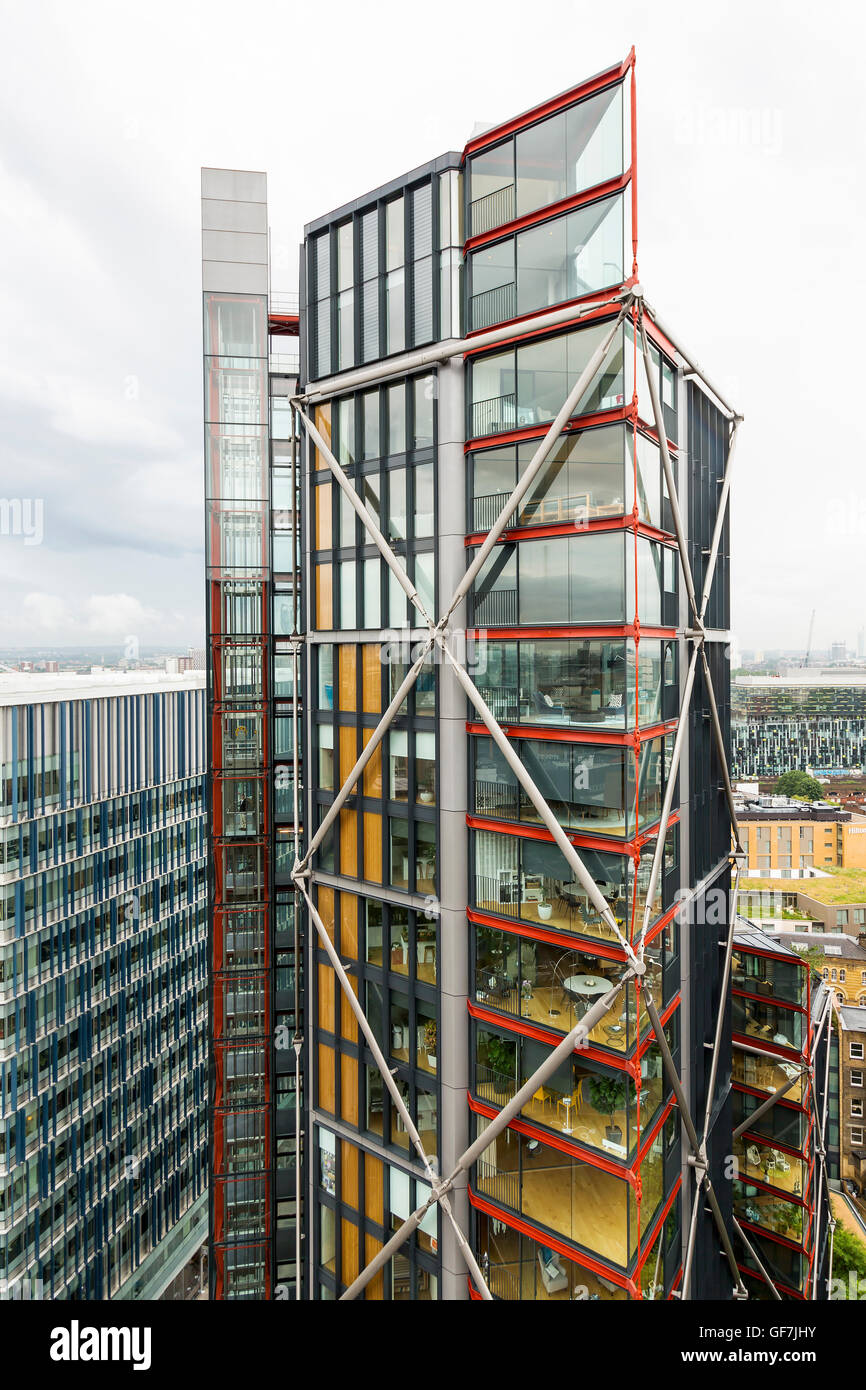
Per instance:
{"type": "Point", "coordinates": [430, 1035]}
{"type": "Point", "coordinates": [606, 1096]}
{"type": "Point", "coordinates": [502, 1060]}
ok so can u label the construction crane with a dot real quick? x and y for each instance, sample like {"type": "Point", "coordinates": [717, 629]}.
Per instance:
{"type": "Point", "coordinates": [805, 661]}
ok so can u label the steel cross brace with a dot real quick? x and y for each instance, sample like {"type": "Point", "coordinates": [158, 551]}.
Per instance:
{"type": "Point", "coordinates": [393, 1090]}
{"type": "Point", "coordinates": [698, 1146]}
{"type": "Point", "coordinates": [748, 1244]}
{"type": "Point", "coordinates": [550, 1064]}
{"type": "Point", "coordinates": [697, 635]}
{"type": "Point", "coordinates": [438, 635]}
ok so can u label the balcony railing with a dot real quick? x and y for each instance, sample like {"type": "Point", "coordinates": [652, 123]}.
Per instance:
{"type": "Point", "coordinates": [504, 1283]}
{"type": "Point", "coordinates": [494, 415]}
{"type": "Point", "coordinates": [491, 210]}
{"type": "Point", "coordinates": [493, 306]}
{"type": "Point", "coordinates": [498, 608]}
{"type": "Point", "coordinates": [503, 701]}
{"type": "Point", "coordinates": [497, 799]}
{"type": "Point", "coordinates": [485, 510]}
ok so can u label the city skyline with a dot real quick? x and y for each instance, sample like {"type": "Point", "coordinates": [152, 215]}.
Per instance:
{"type": "Point", "coordinates": [101, 424]}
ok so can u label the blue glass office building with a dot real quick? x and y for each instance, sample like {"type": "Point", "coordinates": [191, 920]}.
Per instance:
{"type": "Point", "coordinates": [103, 1139]}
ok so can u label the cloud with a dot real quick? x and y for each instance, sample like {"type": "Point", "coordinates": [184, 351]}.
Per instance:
{"type": "Point", "coordinates": [748, 211]}
{"type": "Point", "coordinates": [100, 618]}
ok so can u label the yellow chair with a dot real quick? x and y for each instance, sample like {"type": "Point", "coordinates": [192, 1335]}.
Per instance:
{"type": "Point", "coordinates": [577, 1095]}
{"type": "Point", "coordinates": [542, 1097]}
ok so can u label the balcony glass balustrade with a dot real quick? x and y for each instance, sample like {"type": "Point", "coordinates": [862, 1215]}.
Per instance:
{"type": "Point", "coordinates": [590, 788]}
{"type": "Point", "coordinates": [553, 988]}
{"type": "Point", "coordinates": [592, 1208]}
{"type": "Point", "coordinates": [774, 1214]}
{"type": "Point", "coordinates": [520, 1269]}
{"type": "Point", "coordinates": [770, 1026]}
{"type": "Point", "coordinates": [597, 1108]}
{"type": "Point", "coordinates": [530, 881]}
{"type": "Point", "coordinates": [573, 682]}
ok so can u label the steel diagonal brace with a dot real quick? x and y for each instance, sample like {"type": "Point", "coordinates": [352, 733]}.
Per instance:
{"type": "Point", "coordinates": [720, 521]}
{"type": "Point", "coordinates": [740, 1290]}
{"type": "Point", "coordinates": [551, 1063]}
{"type": "Point", "coordinates": [393, 1089]}
{"type": "Point", "coordinates": [766, 1105]}
{"type": "Point", "coordinates": [673, 498]}
{"type": "Point", "coordinates": [378, 734]}
{"type": "Point", "coordinates": [690, 1245]}
{"type": "Point", "coordinates": [723, 1000]}
{"type": "Point", "coordinates": [765, 1276]}
{"type": "Point", "coordinates": [711, 1085]}
{"type": "Point", "coordinates": [363, 512]}
{"type": "Point", "coordinates": [518, 768]}
{"type": "Point", "coordinates": [720, 749]}
{"type": "Point", "coordinates": [667, 803]}
{"type": "Point", "coordinates": [699, 1154]}
{"type": "Point", "coordinates": [539, 458]}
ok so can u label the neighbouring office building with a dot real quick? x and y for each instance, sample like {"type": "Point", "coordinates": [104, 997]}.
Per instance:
{"type": "Point", "coordinates": [812, 721]}
{"type": "Point", "coordinates": [790, 839]}
{"type": "Point", "coordinates": [103, 969]}
{"type": "Point", "coordinates": [443, 320]}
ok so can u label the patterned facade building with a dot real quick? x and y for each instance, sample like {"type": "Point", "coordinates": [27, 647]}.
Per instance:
{"type": "Point", "coordinates": [103, 968]}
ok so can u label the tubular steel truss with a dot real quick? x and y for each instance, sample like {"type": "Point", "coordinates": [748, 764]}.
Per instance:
{"type": "Point", "coordinates": [630, 302]}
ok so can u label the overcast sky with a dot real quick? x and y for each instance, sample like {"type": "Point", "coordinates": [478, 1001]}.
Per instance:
{"type": "Point", "coordinates": [751, 157]}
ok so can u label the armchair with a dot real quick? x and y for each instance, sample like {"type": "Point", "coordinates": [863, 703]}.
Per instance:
{"type": "Point", "coordinates": [553, 1275]}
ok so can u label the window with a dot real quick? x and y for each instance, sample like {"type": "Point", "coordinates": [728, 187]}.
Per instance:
{"type": "Point", "coordinates": [370, 287]}
{"type": "Point", "coordinates": [855, 1078]}
{"type": "Point", "coordinates": [856, 1132]}
{"type": "Point", "coordinates": [565, 258]}
{"type": "Point", "coordinates": [584, 578]}
{"type": "Point", "coordinates": [395, 296]}
{"type": "Point", "coordinates": [527, 385]}
{"type": "Point", "coordinates": [345, 296]}
{"type": "Point", "coordinates": [422, 262]}
{"type": "Point", "coordinates": [856, 1108]}
{"type": "Point", "coordinates": [855, 1051]}
{"type": "Point", "coordinates": [320, 308]}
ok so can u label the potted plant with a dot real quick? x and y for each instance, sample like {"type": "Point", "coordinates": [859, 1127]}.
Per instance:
{"type": "Point", "coordinates": [502, 1060]}
{"type": "Point", "coordinates": [545, 911]}
{"type": "Point", "coordinates": [430, 1041]}
{"type": "Point", "coordinates": [607, 1096]}
{"type": "Point", "coordinates": [793, 1221]}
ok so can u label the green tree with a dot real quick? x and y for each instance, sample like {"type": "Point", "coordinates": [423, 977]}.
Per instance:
{"type": "Point", "coordinates": [801, 785]}
{"type": "Point", "coordinates": [849, 1253]}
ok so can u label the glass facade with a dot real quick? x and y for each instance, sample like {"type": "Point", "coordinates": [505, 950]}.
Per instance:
{"type": "Point", "coordinates": [825, 723]}
{"type": "Point", "coordinates": [103, 981]}
{"type": "Point", "coordinates": [438, 881]}
{"type": "Point", "coordinates": [778, 1009]}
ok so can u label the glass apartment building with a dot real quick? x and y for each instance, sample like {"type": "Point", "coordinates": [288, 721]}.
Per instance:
{"type": "Point", "coordinates": [814, 721]}
{"type": "Point", "coordinates": [443, 320]}
{"type": "Point", "coordinates": [103, 968]}
{"type": "Point", "coordinates": [781, 1021]}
